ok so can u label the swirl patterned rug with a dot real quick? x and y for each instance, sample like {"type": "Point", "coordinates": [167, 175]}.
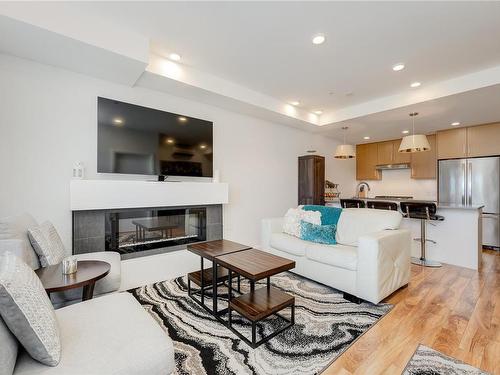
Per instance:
{"type": "Point", "coordinates": [325, 326]}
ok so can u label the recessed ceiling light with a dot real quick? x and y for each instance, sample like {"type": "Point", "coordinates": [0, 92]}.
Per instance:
{"type": "Point", "coordinates": [117, 121]}
{"type": "Point", "coordinates": [415, 84]}
{"type": "Point", "coordinates": [295, 102]}
{"type": "Point", "coordinates": [405, 131]}
{"type": "Point", "coordinates": [174, 57]}
{"type": "Point", "coordinates": [366, 137]}
{"type": "Point", "coordinates": [318, 112]}
{"type": "Point", "coordinates": [456, 123]}
{"type": "Point", "coordinates": [203, 147]}
{"type": "Point", "coordinates": [398, 67]}
{"type": "Point", "coordinates": [182, 119]}
{"type": "Point", "coordinates": [318, 39]}
{"type": "Point", "coordinates": [170, 141]}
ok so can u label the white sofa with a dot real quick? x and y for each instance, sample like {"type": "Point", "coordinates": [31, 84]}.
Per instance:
{"type": "Point", "coordinates": [370, 260]}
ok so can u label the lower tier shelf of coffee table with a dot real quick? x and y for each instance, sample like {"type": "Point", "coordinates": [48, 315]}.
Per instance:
{"type": "Point", "coordinates": [195, 277]}
{"type": "Point", "coordinates": [261, 303]}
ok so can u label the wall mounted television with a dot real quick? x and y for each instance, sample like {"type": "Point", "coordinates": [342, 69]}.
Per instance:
{"type": "Point", "coordinates": [137, 140]}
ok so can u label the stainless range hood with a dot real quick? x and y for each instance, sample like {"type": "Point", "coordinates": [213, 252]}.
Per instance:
{"type": "Point", "coordinates": [393, 166]}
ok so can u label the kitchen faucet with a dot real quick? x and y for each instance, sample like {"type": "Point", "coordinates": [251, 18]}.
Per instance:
{"type": "Point", "coordinates": [361, 187]}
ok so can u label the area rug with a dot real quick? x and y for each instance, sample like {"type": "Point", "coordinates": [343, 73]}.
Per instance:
{"type": "Point", "coordinates": [427, 361]}
{"type": "Point", "coordinates": [325, 326]}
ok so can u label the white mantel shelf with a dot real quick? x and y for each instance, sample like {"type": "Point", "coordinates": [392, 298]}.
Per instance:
{"type": "Point", "coordinates": [112, 194]}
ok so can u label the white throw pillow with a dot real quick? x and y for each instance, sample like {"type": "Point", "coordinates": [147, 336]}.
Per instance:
{"type": "Point", "coordinates": [293, 217]}
{"type": "Point", "coordinates": [27, 311]}
{"type": "Point", "coordinates": [47, 244]}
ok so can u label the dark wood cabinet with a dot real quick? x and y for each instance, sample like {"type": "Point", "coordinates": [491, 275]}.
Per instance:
{"type": "Point", "coordinates": [312, 179]}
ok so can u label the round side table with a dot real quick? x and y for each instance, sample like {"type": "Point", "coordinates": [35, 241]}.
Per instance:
{"type": "Point", "coordinates": [89, 271]}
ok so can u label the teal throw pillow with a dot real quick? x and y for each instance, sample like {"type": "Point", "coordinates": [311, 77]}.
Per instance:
{"type": "Point", "coordinates": [324, 234]}
{"type": "Point", "coordinates": [329, 215]}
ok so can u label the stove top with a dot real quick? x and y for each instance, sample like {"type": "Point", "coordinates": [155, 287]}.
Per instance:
{"type": "Point", "coordinates": [395, 197]}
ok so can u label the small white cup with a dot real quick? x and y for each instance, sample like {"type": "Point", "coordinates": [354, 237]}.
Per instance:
{"type": "Point", "coordinates": [69, 265]}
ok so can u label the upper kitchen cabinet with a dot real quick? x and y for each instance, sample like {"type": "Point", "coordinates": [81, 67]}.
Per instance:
{"type": "Point", "coordinates": [483, 140]}
{"type": "Point", "coordinates": [366, 161]}
{"type": "Point", "coordinates": [400, 157]}
{"type": "Point", "coordinates": [424, 164]}
{"type": "Point", "coordinates": [452, 143]}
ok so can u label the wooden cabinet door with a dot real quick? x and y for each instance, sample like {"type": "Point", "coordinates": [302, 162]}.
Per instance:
{"type": "Point", "coordinates": [452, 143]}
{"type": "Point", "coordinates": [424, 164]}
{"type": "Point", "coordinates": [483, 140]}
{"type": "Point", "coordinates": [366, 161]}
{"type": "Point", "coordinates": [385, 152]}
{"type": "Point", "coordinates": [399, 157]}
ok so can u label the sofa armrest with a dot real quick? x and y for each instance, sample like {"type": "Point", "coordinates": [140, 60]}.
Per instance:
{"type": "Point", "coordinates": [383, 263]}
{"type": "Point", "coordinates": [268, 227]}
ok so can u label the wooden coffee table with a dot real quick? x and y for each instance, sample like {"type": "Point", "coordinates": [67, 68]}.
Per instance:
{"type": "Point", "coordinates": [204, 277]}
{"type": "Point", "coordinates": [89, 271]}
{"type": "Point", "coordinates": [258, 304]}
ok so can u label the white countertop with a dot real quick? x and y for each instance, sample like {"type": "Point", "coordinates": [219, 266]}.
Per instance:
{"type": "Point", "coordinates": [439, 205]}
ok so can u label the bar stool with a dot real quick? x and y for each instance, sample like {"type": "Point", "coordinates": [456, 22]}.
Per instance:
{"type": "Point", "coordinates": [352, 203]}
{"type": "Point", "coordinates": [383, 205]}
{"type": "Point", "coordinates": [424, 211]}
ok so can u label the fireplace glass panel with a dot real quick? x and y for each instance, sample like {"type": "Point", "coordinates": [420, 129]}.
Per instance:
{"type": "Point", "coordinates": [131, 231]}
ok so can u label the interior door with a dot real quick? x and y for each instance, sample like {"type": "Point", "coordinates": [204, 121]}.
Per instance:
{"type": "Point", "coordinates": [452, 181]}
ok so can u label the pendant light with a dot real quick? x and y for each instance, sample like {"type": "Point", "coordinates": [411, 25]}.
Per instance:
{"type": "Point", "coordinates": [414, 142]}
{"type": "Point", "coordinates": [345, 151]}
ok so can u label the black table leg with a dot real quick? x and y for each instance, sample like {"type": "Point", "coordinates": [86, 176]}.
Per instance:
{"type": "Point", "coordinates": [214, 286]}
{"type": "Point", "coordinates": [202, 292]}
{"type": "Point", "coordinates": [268, 283]}
{"type": "Point", "coordinates": [252, 286]}
{"type": "Point", "coordinates": [239, 283]}
{"type": "Point", "coordinates": [88, 291]}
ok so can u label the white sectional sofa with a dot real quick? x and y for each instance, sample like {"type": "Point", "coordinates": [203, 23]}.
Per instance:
{"type": "Point", "coordinates": [370, 260]}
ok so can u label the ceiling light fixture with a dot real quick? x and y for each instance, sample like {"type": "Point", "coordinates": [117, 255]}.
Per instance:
{"type": "Point", "coordinates": [174, 57]}
{"type": "Point", "coordinates": [398, 67]}
{"type": "Point", "coordinates": [170, 141]}
{"type": "Point", "coordinates": [203, 147]}
{"type": "Point", "coordinates": [456, 123]}
{"type": "Point", "coordinates": [405, 131]}
{"type": "Point", "coordinates": [318, 112]}
{"type": "Point", "coordinates": [295, 102]}
{"type": "Point", "coordinates": [345, 151]}
{"type": "Point", "coordinates": [318, 39]}
{"type": "Point", "coordinates": [117, 121]}
{"type": "Point", "coordinates": [367, 138]}
{"type": "Point", "coordinates": [415, 84]}
{"type": "Point", "coordinates": [414, 142]}
{"type": "Point", "coordinates": [182, 119]}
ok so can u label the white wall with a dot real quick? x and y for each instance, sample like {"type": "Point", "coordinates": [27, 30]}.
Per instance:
{"type": "Point", "coordinates": [48, 121]}
{"type": "Point", "coordinates": [399, 182]}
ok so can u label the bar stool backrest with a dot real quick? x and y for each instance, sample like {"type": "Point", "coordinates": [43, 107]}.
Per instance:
{"type": "Point", "coordinates": [383, 205]}
{"type": "Point", "coordinates": [352, 203]}
{"type": "Point", "coordinates": [417, 209]}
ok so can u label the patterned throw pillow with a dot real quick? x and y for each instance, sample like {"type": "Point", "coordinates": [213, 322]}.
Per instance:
{"type": "Point", "coordinates": [293, 217]}
{"type": "Point", "coordinates": [324, 234]}
{"type": "Point", "coordinates": [47, 244]}
{"type": "Point", "coordinates": [27, 311]}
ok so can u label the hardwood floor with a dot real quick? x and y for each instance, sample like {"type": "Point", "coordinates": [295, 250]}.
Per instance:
{"type": "Point", "coordinates": [451, 309]}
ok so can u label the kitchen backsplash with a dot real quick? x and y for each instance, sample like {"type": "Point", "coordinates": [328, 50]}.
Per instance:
{"type": "Point", "coordinates": [399, 182]}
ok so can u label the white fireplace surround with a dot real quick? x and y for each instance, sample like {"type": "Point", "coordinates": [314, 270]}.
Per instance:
{"type": "Point", "coordinates": [110, 194]}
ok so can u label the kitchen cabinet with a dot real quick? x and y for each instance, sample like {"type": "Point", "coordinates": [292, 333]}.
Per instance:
{"type": "Point", "coordinates": [424, 164]}
{"type": "Point", "coordinates": [366, 162]}
{"type": "Point", "coordinates": [385, 152]}
{"type": "Point", "coordinates": [400, 157]}
{"type": "Point", "coordinates": [483, 140]}
{"type": "Point", "coordinates": [452, 143]}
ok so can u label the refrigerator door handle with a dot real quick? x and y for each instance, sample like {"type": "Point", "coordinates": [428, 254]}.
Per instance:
{"type": "Point", "coordinates": [464, 183]}
{"type": "Point", "coordinates": [469, 183]}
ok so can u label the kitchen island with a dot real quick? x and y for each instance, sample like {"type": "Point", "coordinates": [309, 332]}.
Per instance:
{"type": "Point", "coordinates": [458, 238]}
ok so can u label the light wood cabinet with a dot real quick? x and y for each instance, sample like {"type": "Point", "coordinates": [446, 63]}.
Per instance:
{"type": "Point", "coordinates": [483, 140]}
{"type": "Point", "coordinates": [385, 152]}
{"type": "Point", "coordinates": [366, 161]}
{"type": "Point", "coordinates": [424, 164]}
{"type": "Point", "coordinates": [399, 157]}
{"type": "Point", "coordinates": [452, 143]}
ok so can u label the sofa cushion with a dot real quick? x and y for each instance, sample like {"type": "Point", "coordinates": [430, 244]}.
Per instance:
{"type": "Point", "coordinates": [288, 244]}
{"type": "Point", "coordinates": [334, 255]}
{"type": "Point", "coordinates": [293, 217]}
{"type": "Point", "coordinates": [14, 238]}
{"type": "Point", "coordinates": [8, 350]}
{"type": "Point", "coordinates": [110, 283]}
{"type": "Point", "coordinates": [324, 234]}
{"type": "Point", "coordinates": [357, 222]}
{"type": "Point", "coordinates": [47, 244]}
{"type": "Point", "coordinates": [27, 311]}
{"type": "Point", "coordinates": [108, 335]}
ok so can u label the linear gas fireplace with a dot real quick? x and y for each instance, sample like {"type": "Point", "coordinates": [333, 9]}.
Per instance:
{"type": "Point", "coordinates": [145, 231]}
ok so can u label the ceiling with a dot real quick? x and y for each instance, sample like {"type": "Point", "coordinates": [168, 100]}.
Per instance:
{"type": "Point", "coordinates": [266, 46]}
{"type": "Point", "coordinates": [255, 57]}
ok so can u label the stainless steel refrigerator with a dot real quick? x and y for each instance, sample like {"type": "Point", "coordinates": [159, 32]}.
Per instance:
{"type": "Point", "coordinates": [474, 182]}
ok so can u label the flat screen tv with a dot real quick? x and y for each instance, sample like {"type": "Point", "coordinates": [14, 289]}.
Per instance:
{"type": "Point", "coordinates": [137, 140]}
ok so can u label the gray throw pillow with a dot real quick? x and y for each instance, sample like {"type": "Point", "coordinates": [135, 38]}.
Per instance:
{"type": "Point", "coordinates": [47, 244]}
{"type": "Point", "coordinates": [27, 311]}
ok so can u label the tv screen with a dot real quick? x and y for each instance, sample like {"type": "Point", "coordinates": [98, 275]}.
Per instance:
{"type": "Point", "coordinates": [137, 140]}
